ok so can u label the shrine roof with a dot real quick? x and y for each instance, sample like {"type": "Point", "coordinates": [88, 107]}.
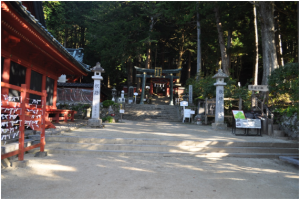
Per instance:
{"type": "Point", "coordinates": [26, 15]}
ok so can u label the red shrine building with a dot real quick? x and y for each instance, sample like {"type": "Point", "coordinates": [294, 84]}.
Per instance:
{"type": "Point", "coordinates": [30, 54]}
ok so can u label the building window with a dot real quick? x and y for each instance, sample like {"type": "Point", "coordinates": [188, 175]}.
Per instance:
{"type": "Point", "coordinates": [36, 85]}
{"type": "Point", "coordinates": [50, 90]}
{"type": "Point", "coordinates": [17, 77]}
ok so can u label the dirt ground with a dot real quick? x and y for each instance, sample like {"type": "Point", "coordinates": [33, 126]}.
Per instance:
{"type": "Point", "coordinates": [116, 177]}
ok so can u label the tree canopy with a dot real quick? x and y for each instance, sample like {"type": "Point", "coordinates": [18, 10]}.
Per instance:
{"type": "Point", "coordinates": [123, 34]}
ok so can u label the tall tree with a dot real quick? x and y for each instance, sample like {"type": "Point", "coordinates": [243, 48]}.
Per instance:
{"type": "Point", "coordinates": [266, 11]}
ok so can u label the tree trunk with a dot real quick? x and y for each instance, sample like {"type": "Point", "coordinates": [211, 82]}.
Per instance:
{"type": "Point", "coordinates": [198, 45]}
{"type": "Point", "coordinates": [82, 37]}
{"type": "Point", "coordinates": [255, 74]}
{"type": "Point", "coordinates": [189, 66]}
{"type": "Point", "coordinates": [147, 66]}
{"type": "Point", "coordinates": [229, 40]}
{"type": "Point", "coordinates": [66, 38]}
{"type": "Point", "coordinates": [221, 41]}
{"type": "Point", "coordinates": [266, 11]}
{"type": "Point", "coordinates": [129, 74]}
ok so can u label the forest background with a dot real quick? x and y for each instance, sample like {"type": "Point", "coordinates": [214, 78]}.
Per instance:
{"type": "Point", "coordinates": [199, 37]}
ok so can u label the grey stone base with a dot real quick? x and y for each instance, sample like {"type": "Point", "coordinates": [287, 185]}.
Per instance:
{"type": "Point", "coordinates": [20, 164]}
{"type": "Point", "coordinates": [40, 154]}
{"type": "Point", "coordinates": [5, 163]}
{"type": "Point", "coordinates": [95, 123]}
{"type": "Point", "coordinates": [219, 126]}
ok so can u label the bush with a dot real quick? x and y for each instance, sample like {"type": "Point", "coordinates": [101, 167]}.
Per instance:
{"type": "Point", "coordinates": [109, 119]}
{"type": "Point", "coordinates": [108, 103]}
{"type": "Point", "coordinates": [284, 89]}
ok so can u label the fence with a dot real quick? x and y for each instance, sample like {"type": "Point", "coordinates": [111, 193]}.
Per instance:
{"type": "Point", "coordinates": [25, 112]}
{"type": "Point", "coordinates": [74, 95]}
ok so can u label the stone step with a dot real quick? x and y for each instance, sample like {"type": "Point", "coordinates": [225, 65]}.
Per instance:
{"type": "Point", "coordinates": [165, 148]}
{"type": "Point", "coordinates": [6, 148]}
{"type": "Point", "coordinates": [147, 141]}
{"type": "Point", "coordinates": [164, 154]}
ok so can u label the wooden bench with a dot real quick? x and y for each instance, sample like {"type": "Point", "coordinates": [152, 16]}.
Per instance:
{"type": "Point", "coordinates": [67, 115]}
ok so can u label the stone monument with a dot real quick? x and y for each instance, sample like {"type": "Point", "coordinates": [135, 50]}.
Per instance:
{"type": "Point", "coordinates": [190, 94]}
{"type": "Point", "coordinates": [219, 112]}
{"type": "Point", "coordinates": [130, 95]}
{"type": "Point", "coordinates": [95, 121]}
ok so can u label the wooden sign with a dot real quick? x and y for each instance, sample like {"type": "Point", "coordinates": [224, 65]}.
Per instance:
{"type": "Point", "coordinates": [263, 88]}
{"type": "Point", "coordinates": [158, 71]}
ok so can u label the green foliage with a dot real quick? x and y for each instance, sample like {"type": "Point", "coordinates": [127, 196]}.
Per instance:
{"type": "Point", "coordinates": [284, 88]}
{"type": "Point", "coordinates": [108, 103]}
{"type": "Point", "coordinates": [108, 119]}
{"type": "Point", "coordinates": [80, 106]}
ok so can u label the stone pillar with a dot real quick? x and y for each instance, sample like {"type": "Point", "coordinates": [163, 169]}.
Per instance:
{"type": "Point", "coordinates": [171, 90]}
{"type": "Point", "coordinates": [219, 111]}
{"type": "Point", "coordinates": [143, 88]}
{"type": "Point", "coordinates": [95, 121]}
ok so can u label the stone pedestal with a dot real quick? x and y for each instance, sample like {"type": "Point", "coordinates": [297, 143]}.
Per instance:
{"type": "Point", "coordinates": [40, 154]}
{"type": "Point", "coordinates": [219, 126]}
{"type": "Point", "coordinates": [95, 123]}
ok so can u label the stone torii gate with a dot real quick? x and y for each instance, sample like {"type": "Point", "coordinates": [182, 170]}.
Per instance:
{"type": "Point", "coordinates": [157, 73]}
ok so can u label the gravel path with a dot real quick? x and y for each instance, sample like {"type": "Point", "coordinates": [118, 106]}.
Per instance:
{"type": "Point", "coordinates": [88, 177]}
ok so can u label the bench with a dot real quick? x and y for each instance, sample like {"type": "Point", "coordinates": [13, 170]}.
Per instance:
{"type": "Point", "coordinates": [67, 115]}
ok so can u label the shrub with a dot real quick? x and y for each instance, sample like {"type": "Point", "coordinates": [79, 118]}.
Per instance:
{"type": "Point", "coordinates": [108, 103]}
{"type": "Point", "coordinates": [109, 119]}
{"type": "Point", "coordinates": [284, 89]}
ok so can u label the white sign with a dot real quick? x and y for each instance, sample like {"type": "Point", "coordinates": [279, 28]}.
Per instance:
{"type": "Point", "coordinates": [184, 103]}
{"type": "Point", "coordinates": [263, 88]}
{"type": "Point", "coordinates": [122, 110]}
{"type": "Point", "coordinates": [192, 112]}
{"type": "Point", "coordinates": [135, 94]}
{"type": "Point", "coordinates": [187, 113]}
{"type": "Point", "coordinates": [248, 123]}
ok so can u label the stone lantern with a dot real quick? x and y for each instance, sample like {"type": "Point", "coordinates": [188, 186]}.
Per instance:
{"type": "Point", "coordinates": [114, 94]}
{"type": "Point", "coordinates": [219, 113]}
{"type": "Point", "coordinates": [95, 121]}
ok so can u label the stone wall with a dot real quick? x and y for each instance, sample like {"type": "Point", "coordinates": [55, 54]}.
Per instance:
{"type": "Point", "coordinates": [290, 125]}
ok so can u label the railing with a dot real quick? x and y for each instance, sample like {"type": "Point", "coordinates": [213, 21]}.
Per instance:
{"type": "Point", "coordinates": [28, 114]}
{"type": "Point", "coordinates": [266, 113]}
{"type": "Point", "coordinates": [212, 102]}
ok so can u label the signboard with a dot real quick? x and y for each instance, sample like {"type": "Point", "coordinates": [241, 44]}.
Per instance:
{"type": "Point", "coordinates": [192, 112]}
{"type": "Point", "coordinates": [238, 114]}
{"type": "Point", "coordinates": [135, 94]}
{"type": "Point", "coordinates": [248, 123]}
{"type": "Point", "coordinates": [158, 71]}
{"type": "Point", "coordinates": [122, 110]}
{"type": "Point", "coordinates": [263, 88]}
{"type": "Point", "coordinates": [187, 113]}
{"type": "Point", "coordinates": [184, 103]}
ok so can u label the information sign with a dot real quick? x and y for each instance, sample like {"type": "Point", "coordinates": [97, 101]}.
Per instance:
{"type": "Point", "coordinates": [248, 123]}
{"type": "Point", "coordinates": [122, 110]}
{"type": "Point", "coordinates": [263, 88]}
{"type": "Point", "coordinates": [238, 114]}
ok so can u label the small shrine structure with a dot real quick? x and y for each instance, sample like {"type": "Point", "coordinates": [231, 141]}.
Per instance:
{"type": "Point", "coordinates": [157, 75]}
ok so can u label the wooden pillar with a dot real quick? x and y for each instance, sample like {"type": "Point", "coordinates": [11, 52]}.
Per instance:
{"type": "Point", "coordinates": [27, 81]}
{"type": "Point", "coordinates": [171, 90]}
{"type": "Point", "coordinates": [44, 82]}
{"type": "Point", "coordinates": [22, 123]}
{"type": "Point", "coordinates": [151, 87]}
{"type": "Point", "coordinates": [6, 74]}
{"type": "Point", "coordinates": [54, 94]}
